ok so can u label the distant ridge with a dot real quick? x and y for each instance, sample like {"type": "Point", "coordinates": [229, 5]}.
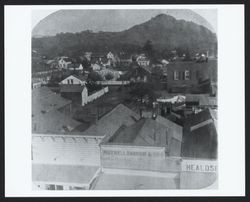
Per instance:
{"type": "Point", "coordinates": [163, 30]}
{"type": "Point", "coordinates": [73, 21]}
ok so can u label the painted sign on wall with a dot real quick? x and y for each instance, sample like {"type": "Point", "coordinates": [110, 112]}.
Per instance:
{"type": "Point", "coordinates": [139, 158]}
{"type": "Point", "coordinates": [199, 165]}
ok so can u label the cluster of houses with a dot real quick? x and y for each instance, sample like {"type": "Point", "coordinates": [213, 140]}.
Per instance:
{"type": "Point", "coordinates": [165, 146]}
{"type": "Point", "coordinates": [162, 148]}
{"type": "Point", "coordinates": [183, 78]}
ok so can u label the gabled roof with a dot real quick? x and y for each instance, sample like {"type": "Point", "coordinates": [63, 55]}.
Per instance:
{"type": "Point", "coordinates": [109, 123]}
{"type": "Point", "coordinates": [44, 100]}
{"type": "Point", "coordinates": [81, 77]}
{"type": "Point", "coordinates": [176, 130]}
{"type": "Point", "coordinates": [69, 88]}
{"type": "Point", "coordinates": [148, 132]}
{"type": "Point", "coordinates": [53, 122]}
{"type": "Point", "coordinates": [148, 69]}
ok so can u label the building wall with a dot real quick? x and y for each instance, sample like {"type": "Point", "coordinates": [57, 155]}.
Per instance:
{"type": "Point", "coordinates": [138, 158]}
{"type": "Point", "coordinates": [198, 174]}
{"type": "Point", "coordinates": [65, 149]}
{"type": "Point", "coordinates": [58, 186]}
{"type": "Point", "coordinates": [111, 83]}
{"type": "Point", "coordinates": [86, 99]}
{"type": "Point", "coordinates": [193, 78]}
{"type": "Point", "coordinates": [199, 71]}
{"type": "Point", "coordinates": [72, 80]}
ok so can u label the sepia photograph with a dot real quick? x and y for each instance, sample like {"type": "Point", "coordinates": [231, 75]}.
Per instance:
{"type": "Point", "coordinates": [124, 99]}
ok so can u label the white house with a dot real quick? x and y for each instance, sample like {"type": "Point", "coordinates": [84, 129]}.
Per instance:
{"type": "Point", "coordinates": [63, 62]}
{"type": "Point", "coordinates": [80, 93]}
{"type": "Point", "coordinates": [110, 56]}
{"type": "Point", "coordinates": [74, 80]}
{"type": "Point", "coordinates": [96, 67]}
{"type": "Point", "coordinates": [142, 60]}
{"type": "Point", "coordinates": [78, 67]}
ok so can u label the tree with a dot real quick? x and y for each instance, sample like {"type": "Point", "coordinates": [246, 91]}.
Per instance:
{"type": "Point", "coordinates": [94, 76]}
{"type": "Point", "coordinates": [149, 48]}
{"type": "Point", "coordinates": [109, 76]}
{"type": "Point", "coordinates": [141, 90]}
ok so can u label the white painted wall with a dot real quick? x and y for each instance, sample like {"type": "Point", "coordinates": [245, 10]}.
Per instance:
{"type": "Point", "coordinates": [73, 79]}
{"type": "Point", "coordinates": [65, 149]}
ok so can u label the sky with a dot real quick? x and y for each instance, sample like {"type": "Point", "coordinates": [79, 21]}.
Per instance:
{"type": "Point", "coordinates": [208, 14]}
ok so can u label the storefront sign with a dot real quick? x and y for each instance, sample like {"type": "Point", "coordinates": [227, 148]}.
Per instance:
{"type": "Point", "coordinates": [199, 166]}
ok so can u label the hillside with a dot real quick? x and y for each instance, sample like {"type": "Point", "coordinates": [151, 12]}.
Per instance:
{"type": "Point", "coordinates": [112, 20]}
{"type": "Point", "coordinates": [164, 31]}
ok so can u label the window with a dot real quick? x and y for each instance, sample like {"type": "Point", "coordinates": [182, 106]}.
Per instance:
{"type": "Point", "coordinates": [59, 187]}
{"type": "Point", "coordinates": [68, 81]}
{"type": "Point", "coordinates": [176, 75]}
{"type": "Point", "coordinates": [50, 187]}
{"type": "Point", "coordinates": [187, 75]}
{"type": "Point", "coordinates": [76, 188]}
{"type": "Point", "coordinates": [72, 81]}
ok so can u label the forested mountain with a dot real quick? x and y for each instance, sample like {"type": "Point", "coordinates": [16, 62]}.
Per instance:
{"type": "Point", "coordinates": [164, 31]}
{"type": "Point", "coordinates": [111, 20]}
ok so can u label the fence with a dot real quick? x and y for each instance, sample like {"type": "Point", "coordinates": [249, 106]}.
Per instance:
{"type": "Point", "coordinates": [110, 83]}
{"type": "Point", "coordinates": [94, 96]}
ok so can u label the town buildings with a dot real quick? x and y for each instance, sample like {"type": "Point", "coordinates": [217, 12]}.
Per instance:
{"type": "Point", "coordinates": [75, 79]}
{"type": "Point", "coordinates": [162, 148]}
{"type": "Point", "coordinates": [190, 77]}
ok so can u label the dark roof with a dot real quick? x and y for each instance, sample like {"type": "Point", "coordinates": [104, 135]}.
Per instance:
{"type": "Point", "coordinates": [201, 143]}
{"type": "Point", "coordinates": [200, 136]}
{"type": "Point", "coordinates": [73, 65]}
{"type": "Point", "coordinates": [147, 68]}
{"type": "Point", "coordinates": [66, 59]}
{"type": "Point", "coordinates": [53, 122]}
{"type": "Point", "coordinates": [148, 132]}
{"type": "Point", "coordinates": [203, 99]}
{"type": "Point", "coordinates": [195, 119]}
{"type": "Point", "coordinates": [81, 77]}
{"type": "Point", "coordinates": [113, 120]}
{"type": "Point", "coordinates": [68, 88]}
{"type": "Point", "coordinates": [44, 100]}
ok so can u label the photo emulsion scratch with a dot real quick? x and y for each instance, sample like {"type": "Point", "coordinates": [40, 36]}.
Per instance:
{"type": "Point", "coordinates": [124, 99]}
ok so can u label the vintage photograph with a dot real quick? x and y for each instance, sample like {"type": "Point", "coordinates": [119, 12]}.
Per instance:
{"type": "Point", "coordinates": [124, 99]}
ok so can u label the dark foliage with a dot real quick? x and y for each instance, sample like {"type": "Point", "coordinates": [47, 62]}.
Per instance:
{"type": "Point", "coordinates": [159, 35]}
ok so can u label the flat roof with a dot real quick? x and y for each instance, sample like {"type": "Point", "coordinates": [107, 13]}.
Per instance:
{"type": "Point", "coordinates": [134, 182]}
{"type": "Point", "coordinates": [75, 174]}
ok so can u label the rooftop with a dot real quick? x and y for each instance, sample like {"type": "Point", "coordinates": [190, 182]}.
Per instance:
{"type": "Point", "coordinates": [113, 120]}
{"type": "Point", "coordinates": [63, 173]}
{"type": "Point", "coordinates": [44, 100]}
{"type": "Point", "coordinates": [200, 136]}
{"type": "Point", "coordinates": [149, 132]}
{"type": "Point", "coordinates": [53, 122]}
{"type": "Point", "coordinates": [69, 88]}
{"type": "Point", "coordinates": [135, 182]}
{"type": "Point", "coordinates": [203, 99]}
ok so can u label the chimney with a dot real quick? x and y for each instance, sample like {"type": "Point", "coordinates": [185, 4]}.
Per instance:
{"type": "Point", "coordinates": [154, 111]}
{"type": "Point", "coordinates": [141, 115]}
